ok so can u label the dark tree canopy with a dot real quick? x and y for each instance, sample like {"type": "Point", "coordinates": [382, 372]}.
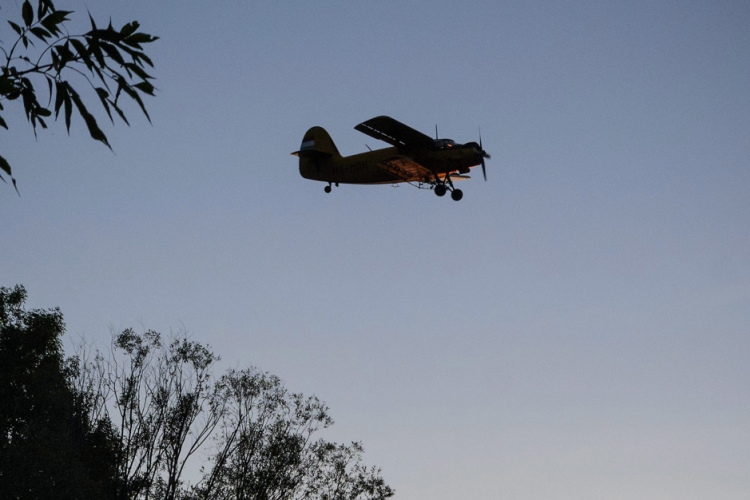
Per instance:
{"type": "Point", "coordinates": [126, 423]}
{"type": "Point", "coordinates": [45, 67]}
{"type": "Point", "coordinates": [49, 448]}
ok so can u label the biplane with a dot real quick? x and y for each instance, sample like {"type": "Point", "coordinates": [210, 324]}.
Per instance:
{"type": "Point", "coordinates": [413, 157]}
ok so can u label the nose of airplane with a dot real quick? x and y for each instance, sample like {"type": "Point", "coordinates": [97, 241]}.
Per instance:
{"type": "Point", "coordinates": [484, 154]}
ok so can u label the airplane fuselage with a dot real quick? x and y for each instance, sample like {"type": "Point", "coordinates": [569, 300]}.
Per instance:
{"type": "Point", "coordinates": [361, 168]}
{"type": "Point", "coordinates": [366, 168]}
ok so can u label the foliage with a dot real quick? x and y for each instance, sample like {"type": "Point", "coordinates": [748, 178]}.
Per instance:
{"type": "Point", "coordinates": [112, 62]}
{"type": "Point", "coordinates": [265, 448]}
{"type": "Point", "coordinates": [258, 437]}
{"type": "Point", "coordinates": [49, 447]}
{"type": "Point", "coordinates": [127, 424]}
{"type": "Point", "coordinates": [155, 393]}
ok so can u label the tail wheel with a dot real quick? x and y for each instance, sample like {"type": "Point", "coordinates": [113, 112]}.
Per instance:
{"type": "Point", "coordinates": [327, 189]}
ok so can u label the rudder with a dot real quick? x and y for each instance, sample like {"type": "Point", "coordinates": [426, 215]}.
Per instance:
{"type": "Point", "coordinates": [317, 143]}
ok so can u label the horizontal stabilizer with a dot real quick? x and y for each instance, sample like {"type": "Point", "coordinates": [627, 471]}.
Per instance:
{"type": "Point", "coordinates": [311, 153]}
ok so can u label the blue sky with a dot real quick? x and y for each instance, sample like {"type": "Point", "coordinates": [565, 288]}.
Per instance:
{"type": "Point", "coordinates": [576, 327]}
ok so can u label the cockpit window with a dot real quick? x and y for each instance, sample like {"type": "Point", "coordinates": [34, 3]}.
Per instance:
{"type": "Point", "coordinates": [444, 143]}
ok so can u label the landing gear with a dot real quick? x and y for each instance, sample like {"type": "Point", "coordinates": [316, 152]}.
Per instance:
{"type": "Point", "coordinates": [442, 187]}
{"type": "Point", "coordinates": [327, 189]}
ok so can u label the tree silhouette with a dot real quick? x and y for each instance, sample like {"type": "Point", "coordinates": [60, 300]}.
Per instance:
{"type": "Point", "coordinates": [42, 53]}
{"type": "Point", "coordinates": [259, 438]}
{"type": "Point", "coordinates": [124, 424]}
{"type": "Point", "coordinates": [49, 445]}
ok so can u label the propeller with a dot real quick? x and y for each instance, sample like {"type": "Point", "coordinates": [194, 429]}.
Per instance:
{"type": "Point", "coordinates": [484, 155]}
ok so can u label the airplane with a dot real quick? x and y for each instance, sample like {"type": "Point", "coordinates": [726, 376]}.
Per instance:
{"type": "Point", "coordinates": [413, 157]}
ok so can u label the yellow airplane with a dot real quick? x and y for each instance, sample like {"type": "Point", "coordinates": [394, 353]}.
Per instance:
{"type": "Point", "coordinates": [414, 158]}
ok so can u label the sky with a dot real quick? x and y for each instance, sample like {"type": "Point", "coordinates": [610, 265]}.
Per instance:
{"type": "Point", "coordinates": [577, 327]}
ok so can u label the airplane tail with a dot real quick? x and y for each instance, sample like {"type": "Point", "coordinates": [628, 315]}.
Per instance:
{"type": "Point", "coordinates": [316, 150]}
{"type": "Point", "coordinates": [317, 144]}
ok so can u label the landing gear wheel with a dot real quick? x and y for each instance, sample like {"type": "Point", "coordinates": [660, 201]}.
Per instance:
{"type": "Point", "coordinates": [457, 194]}
{"type": "Point", "coordinates": [327, 189]}
{"type": "Point", "coordinates": [440, 189]}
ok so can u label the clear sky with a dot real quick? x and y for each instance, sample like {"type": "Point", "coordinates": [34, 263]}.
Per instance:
{"type": "Point", "coordinates": [577, 327]}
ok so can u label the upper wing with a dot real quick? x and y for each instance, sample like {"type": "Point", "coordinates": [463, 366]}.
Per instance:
{"type": "Point", "coordinates": [394, 132]}
{"type": "Point", "coordinates": [406, 169]}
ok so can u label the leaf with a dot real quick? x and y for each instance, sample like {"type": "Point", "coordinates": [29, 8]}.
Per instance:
{"type": "Point", "coordinates": [44, 7]}
{"type": "Point", "coordinates": [141, 38]}
{"type": "Point", "coordinates": [136, 39]}
{"type": "Point", "coordinates": [129, 29]}
{"type": "Point", "coordinates": [138, 71]}
{"type": "Point", "coordinates": [61, 92]}
{"type": "Point", "coordinates": [40, 33]}
{"type": "Point", "coordinates": [64, 54]}
{"type": "Point", "coordinates": [103, 97]}
{"type": "Point", "coordinates": [63, 97]}
{"type": "Point", "coordinates": [26, 84]}
{"type": "Point", "coordinates": [28, 13]}
{"type": "Point", "coordinates": [3, 124]}
{"type": "Point", "coordinates": [107, 35]}
{"type": "Point", "coordinates": [82, 51]}
{"type": "Point", "coordinates": [6, 85]}
{"type": "Point", "coordinates": [52, 21]}
{"type": "Point", "coordinates": [15, 27]}
{"type": "Point", "coordinates": [94, 130]}
{"type": "Point", "coordinates": [134, 95]}
{"type": "Point", "coordinates": [135, 54]}
{"type": "Point", "coordinates": [55, 61]}
{"type": "Point", "coordinates": [113, 53]}
{"type": "Point", "coordinates": [29, 100]}
{"type": "Point", "coordinates": [145, 87]}
{"type": "Point", "coordinates": [68, 110]}
{"type": "Point", "coordinates": [49, 85]}
{"type": "Point", "coordinates": [121, 113]}
{"type": "Point", "coordinates": [95, 49]}
{"type": "Point", "coordinates": [103, 94]}
{"type": "Point", "coordinates": [5, 167]}
{"type": "Point", "coordinates": [138, 56]}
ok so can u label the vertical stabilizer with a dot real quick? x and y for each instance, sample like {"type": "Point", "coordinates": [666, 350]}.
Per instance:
{"type": "Point", "coordinates": [317, 143]}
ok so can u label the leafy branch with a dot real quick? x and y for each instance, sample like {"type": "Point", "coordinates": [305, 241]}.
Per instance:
{"type": "Point", "coordinates": [112, 62]}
